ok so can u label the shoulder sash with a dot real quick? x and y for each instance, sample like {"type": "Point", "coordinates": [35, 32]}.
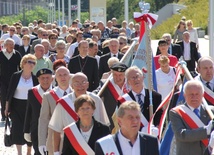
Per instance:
{"type": "Point", "coordinates": [191, 119]}
{"type": "Point", "coordinates": [108, 145]}
{"type": "Point", "coordinates": [37, 95]}
{"type": "Point", "coordinates": [76, 139]}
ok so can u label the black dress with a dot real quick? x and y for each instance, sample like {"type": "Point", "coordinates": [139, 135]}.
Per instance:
{"type": "Point", "coordinates": [17, 109]}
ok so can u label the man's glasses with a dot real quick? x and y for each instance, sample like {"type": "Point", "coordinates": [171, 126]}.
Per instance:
{"type": "Point", "coordinates": [45, 35]}
{"type": "Point", "coordinates": [12, 30]}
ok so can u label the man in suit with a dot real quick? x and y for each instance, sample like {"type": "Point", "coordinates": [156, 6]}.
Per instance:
{"type": "Point", "coordinates": [42, 34]}
{"type": "Point", "coordinates": [114, 52]}
{"type": "Point", "coordinates": [174, 49]}
{"type": "Point", "coordinates": [128, 140]}
{"type": "Point", "coordinates": [9, 63]}
{"type": "Point", "coordinates": [138, 93]}
{"type": "Point", "coordinates": [206, 70]}
{"type": "Point", "coordinates": [33, 107]}
{"type": "Point", "coordinates": [190, 121]}
{"type": "Point", "coordinates": [49, 101]}
{"type": "Point", "coordinates": [189, 51]}
{"type": "Point", "coordinates": [86, 64]}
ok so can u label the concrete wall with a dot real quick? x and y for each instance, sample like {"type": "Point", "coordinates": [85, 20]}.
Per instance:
{"type": "Point", "coordinates": [167, 11]}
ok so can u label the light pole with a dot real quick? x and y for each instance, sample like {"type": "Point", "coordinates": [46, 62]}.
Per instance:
{"type": "Point", "coordinates": [63, 12]}
{"type": "Point", "coordinates": [69, 12]}
{"type": "Point", "coordinates": [126, 10]}
{"type": "Point", "coordinates": [211, 28]}
{"type": "Point", "coordinates": [58, 12]}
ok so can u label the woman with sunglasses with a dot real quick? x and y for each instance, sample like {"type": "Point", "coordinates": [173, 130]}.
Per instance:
{"type": "Point", "coordinates": [181, 28]}
{"type": "Point", "coordinates": [52, 39]}
{"type": "Point", "coordinates": [16, 102]}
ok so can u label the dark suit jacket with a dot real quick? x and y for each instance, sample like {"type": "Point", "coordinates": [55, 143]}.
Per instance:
{"type": "Point", "coordinates": [32, 116]}
{"type": "Point", "coordinates": [14, 80]}
{"type": "Point", "coordinates": [90, 69]}
{"type": "Point", "coordinates": [148, 145]}
{"type": "Point", "coordinates": [176, 50]}
{"type": "Point", "coordinates": [193, 53]}
{"type": "Point", "coordinates": [103, 65]}
{"type": "Point", "coordinates": [99, 130]}
{"type": "Point", "coordinates": [156, 100]}
{"type": "Point", "coordinates": [188, 140]}
{"type": "Point", "coordinates": [22, 50]}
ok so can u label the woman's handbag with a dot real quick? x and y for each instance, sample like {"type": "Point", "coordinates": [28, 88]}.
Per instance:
{"type": "Point", "coordinates": [7, 133]}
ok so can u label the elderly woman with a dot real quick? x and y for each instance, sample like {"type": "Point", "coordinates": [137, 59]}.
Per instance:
{"type": "Point", "coordinates": [88, 129]}
{"type": "Point", "coordinates": [52, 39]}
{"type": "Point", "coordinates": [60, 49]}
{"type": "Point", "coordinates": [20, 83]}
{"type": "Point", "coordinates": [165, 76]}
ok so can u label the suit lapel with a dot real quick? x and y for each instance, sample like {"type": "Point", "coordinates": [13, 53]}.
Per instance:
{"type": "Point", "coordinates": [131, 95]}
{"type": "Point", "coordinates": [204, 116]}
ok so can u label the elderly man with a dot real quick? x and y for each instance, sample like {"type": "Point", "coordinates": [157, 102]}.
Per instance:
{"type": "Point", "coordinates": [128, 140]}
{"type": "Point", "coordinates": [33, 107]}
{"type": "Point", "coordinates": [206, 70]}
{"type": "Point", "coordinates": [191, 123]}
{"type": "Point", "coordinates": [12, 35]}
{"type": "Point", "coordinates": [86, 64]}
{"type": "Point", "coordinates": [9, 63]}
{"type": "Point", "coordinates": [46, 45]}
{"type": "Point", "coordinates": [49, 101]}
{"type": "Point", "coordinates": [116, 87]}
{"type": "Point", "coordinates": [114, 52]}
{"type": "Point", "coordinates": [134, 77]}
{"type": "Point", "coordinates": [41, 62]}
{"type": "Point", "coordinates": [64, 113]}
{"type": "Point", "coordinates": [189, 51]}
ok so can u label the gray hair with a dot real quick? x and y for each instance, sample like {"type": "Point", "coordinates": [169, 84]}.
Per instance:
{"type": "Point", "coordinates": [60, 42]}
{"type": "Point", "coordinates": [7, 40]}
{"type": "Point", "coordinates": [135, 68]}
{"type": "Point", "coordinates": [196, 83]}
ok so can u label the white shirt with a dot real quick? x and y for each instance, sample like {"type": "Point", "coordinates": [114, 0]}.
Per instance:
{"type": "Point", "coordinates": [193, 35]}
{"type": "Point", "coordinates": [126, 147]}
{"type": "Point", "coordinates": [15, 37]}
{"type": "Point", "coordinates": [211, 83]}
{"type": "Point", "coordinates": [8, 55]}
{"type": "Point", "coordinates": [187, 55]}
{"type": "Point", "coordinates": [22, 88]}
{"type": "Point", "coordinates": [165, 81]}
{"type": "Point", "coordinates": [97, 57]}
{"type": "Point", "coordinates": [71, 49]}
{"type": "Point", "coordinates": [112, 55]}
{"type": "Point", "coordinates": [47, 54]}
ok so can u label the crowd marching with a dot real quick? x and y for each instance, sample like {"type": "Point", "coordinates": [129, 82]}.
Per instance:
{"type": "Point", "coordinates": [66, 91]}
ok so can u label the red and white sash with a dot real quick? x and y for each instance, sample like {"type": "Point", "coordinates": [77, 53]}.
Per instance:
{"type": "Point", "coordinates": [77, 141]}
{"type": "Point", "coordinates": [191, 119]}
{"type": "Point", "coordinates": [108, 145]}
{"type": "Point", "coordinates": [126, 97]}
{"type": "Point", "coordinates": [54, 95]}
{"type": "Point", "coordinates": [37, 95]}
{"type": "Point", "coordinates": [209, 95]}
{"type": "Point", "coordinates": [64, 102]}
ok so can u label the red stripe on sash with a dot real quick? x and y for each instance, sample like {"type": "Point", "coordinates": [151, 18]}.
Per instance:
{"type": "Point", "coordinates": [74, 142]}
{"type": "Point", "coordinates": [71, 112]}
{"type": "Point", "coordinates": [37, 95]}
{"type": "Point", "coordinates": [190, 122]}
{"type": "Point", "coordinates": [209, 98]}
{"type": "Point", "coordinates": [54, 95]}
{"type": "Point", "coordinates": [113, 91]}
{"type": "Point", "coordinates": [121, 100]}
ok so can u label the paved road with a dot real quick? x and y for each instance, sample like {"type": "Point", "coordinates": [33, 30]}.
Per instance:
{"type": "Point", "coordinates": [204, 49]}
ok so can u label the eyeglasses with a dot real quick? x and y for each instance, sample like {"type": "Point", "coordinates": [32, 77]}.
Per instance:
{"type": "Point", "coordinates": [53, 38]}
{"type": "Point", "coordinates": [45, 35]}
{"type": "Point", "coordinates": [12, 30]}
{"type": "Point", "coordinates": [23, 30]}
{"type": "Point", "coordinates": [31, 62]}
{"type": "Point", "coordinates": [135, 77]}
{"type": "Point", "coordinates": [121, 43]}
{"type": "Point", "coordinates": [76, 84]}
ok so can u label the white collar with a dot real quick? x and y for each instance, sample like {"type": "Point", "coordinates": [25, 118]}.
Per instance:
{"type": "Point", "coordinates": [142, 92]}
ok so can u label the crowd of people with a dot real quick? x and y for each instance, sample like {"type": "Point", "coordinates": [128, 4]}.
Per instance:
{"type": "Point", "coordinates": [66, 91]}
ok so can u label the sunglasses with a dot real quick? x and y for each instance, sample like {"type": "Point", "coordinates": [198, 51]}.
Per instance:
{"type": "Point", "coordinates": [53, 38]}
{"type": "Point", "coordinates": [12, 30]}
{"type": "Point", "coordinates": [45, 35]}
{"type": "Point", "coordinates": [121, 43]}
{"type": "Point", "coordinates": [31, 62]}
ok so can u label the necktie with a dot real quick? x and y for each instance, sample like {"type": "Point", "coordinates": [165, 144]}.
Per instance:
{"type": "Point", "coordinates": [140, 101]}
{"type": "Point", "coordinates": [114, 55]}
{"type": "Point", "coordinates": [65, 93]}
{"type": "Point", "coordinates": [208, 85]}
{"type": "Point", "coordinates": [196, 111]}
